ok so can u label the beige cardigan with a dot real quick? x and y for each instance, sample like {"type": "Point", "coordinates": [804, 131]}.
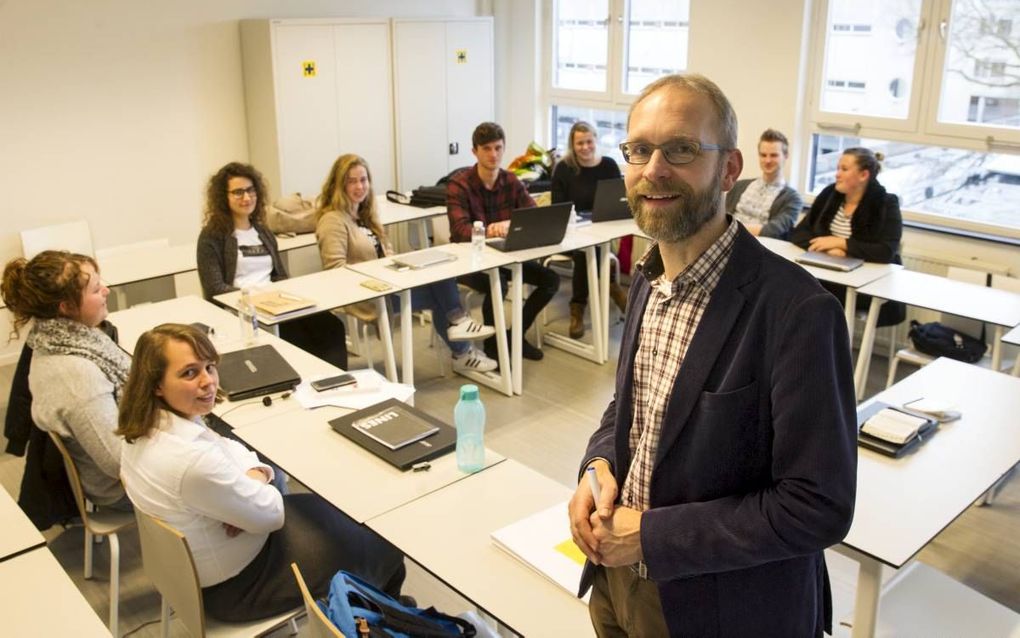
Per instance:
{"type": "Point", "coordinates": [341, 242]}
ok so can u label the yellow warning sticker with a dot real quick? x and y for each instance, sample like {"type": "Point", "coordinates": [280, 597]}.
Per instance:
{"type": "Point", "coordinates": [461, 56]}
{"type": "Point", "coordinates": [308, 68]}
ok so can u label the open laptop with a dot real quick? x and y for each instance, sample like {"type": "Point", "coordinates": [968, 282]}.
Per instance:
{"type": "Point", "coordinates": [610, 202]}
{"type": "Point", "coordinates": [255, 371]}
{"type": "Point", "coordinates": [830, 262]}
{"type": "Point", "coordinates": [534, 227]}
{"type": "Point", "coordinates": [422, 259]}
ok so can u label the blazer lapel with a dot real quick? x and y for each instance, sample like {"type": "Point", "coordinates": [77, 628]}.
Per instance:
{"type": "Point", "coordinates": [713, 330]}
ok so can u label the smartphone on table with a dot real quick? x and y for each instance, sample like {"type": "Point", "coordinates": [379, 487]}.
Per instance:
{"type": "Point", "coordinates": [334, 382]}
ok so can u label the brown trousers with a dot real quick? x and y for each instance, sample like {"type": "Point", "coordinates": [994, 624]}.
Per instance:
{"type": "Point", "coordinates": [625, 605]}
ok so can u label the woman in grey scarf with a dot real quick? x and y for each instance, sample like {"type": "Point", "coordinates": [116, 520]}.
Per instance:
{"type": "Point", "coordinates": [77, 371]}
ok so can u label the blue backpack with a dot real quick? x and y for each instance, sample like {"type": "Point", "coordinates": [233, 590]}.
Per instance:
{"type": "Point", "coordinates": [359, 610]}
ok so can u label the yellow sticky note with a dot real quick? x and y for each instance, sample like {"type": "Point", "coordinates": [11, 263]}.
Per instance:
{"type": "Point", "coordinates": [571, 551]}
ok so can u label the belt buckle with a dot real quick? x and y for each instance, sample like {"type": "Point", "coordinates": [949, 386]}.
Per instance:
{"type": "Point", "coordinates": [641, 569]}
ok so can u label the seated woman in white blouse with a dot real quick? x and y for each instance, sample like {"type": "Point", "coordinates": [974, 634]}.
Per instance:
{"type": "Point", "coordinates": [243, 534]}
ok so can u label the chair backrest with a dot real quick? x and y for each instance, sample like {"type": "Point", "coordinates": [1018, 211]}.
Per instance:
{"type": "Point", "coordinates": [1005, 282]}
{"type": "Point", "coordinates": [970, 276]}
{"type": "Point", "coordinates": [318, 625]}
{"type": "Point", "coordinates": [72, 478]}
{"type": "Point", "coordinates": [73, 236]}
{"type": "Point", "coordinates": [167, 561]}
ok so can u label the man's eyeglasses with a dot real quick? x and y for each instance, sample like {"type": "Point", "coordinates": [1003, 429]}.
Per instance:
{"type": "Point", "coordinates": [675, 151]}
{"type": "Point", "coordinates": [238, 193]}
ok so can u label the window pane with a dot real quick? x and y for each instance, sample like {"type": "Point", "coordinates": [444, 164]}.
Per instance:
{"type": "Point", "coordinates": [580, 43]}
{"type": "Point", "coordinates": [870, 47]}
{"type": "Point", "coordinates": [656, 41]}
{"type": "Point", "coordinates": [981, 78]}
{"type": "Point", "coordinates": [954, 183]}
{"type": "Point", "coordinates": [611, 127]}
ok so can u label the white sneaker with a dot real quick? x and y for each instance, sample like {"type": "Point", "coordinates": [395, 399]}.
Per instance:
{"type": "Point", "coordinates": [469, 330]}
{"type": "Point", "coordinates": [474, 360]}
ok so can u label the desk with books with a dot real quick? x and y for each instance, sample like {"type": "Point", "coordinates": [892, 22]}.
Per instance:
{"type": "Point", "coordinates": [404, 280]}
{"type": "Point", "coordinates": [329, 289]}
{"type": "Point", "coordinates": [903, 504]}
{"type": "Point", "coordinates": [453, 542]}
{"type": "Point", "coordinates": [355, 481]}
{"type": "Point", "coordinates": [1000, 308]}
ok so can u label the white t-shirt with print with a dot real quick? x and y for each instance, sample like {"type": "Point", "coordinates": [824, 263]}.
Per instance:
{"type": "Point", "coordinates": [254, 263]}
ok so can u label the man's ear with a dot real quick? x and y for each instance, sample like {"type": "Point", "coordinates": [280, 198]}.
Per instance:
{"type": "Point", "coordinates": [732, 167]}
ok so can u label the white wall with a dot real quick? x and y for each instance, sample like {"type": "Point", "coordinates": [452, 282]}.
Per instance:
{"type": "Point", "coordinates": [117, 111]}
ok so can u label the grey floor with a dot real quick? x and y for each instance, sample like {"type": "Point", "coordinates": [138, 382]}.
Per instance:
{"type": "Point", "coordinates": [547, 429]}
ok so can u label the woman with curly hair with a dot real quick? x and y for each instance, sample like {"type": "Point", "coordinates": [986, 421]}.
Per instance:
{"type": "Point", "coordinates": [237, 250]}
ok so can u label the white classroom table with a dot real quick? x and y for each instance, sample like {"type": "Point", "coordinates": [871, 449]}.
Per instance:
{"type": "Point", "coordinates": [853, 280]}
{"type": "Point", "coordinates": [353, 479]}
{"type": "Point", "coordinates": [17, 534]}
{"type": "Point", "coordinates": [329, 289]}
{"type": "Point", "coordinates": [465, 263]}
{"type": "Point", "coordinates": [393, 213]}
{"type": "Point", "coordinates": [902, 504]}
{"type": "Point", "coordinates": [131, 323]}
{"type": "Point", "coordinates": [448, 533]}
{"type": "Point", "coordinates": [1000, 308]}
{"type": "Point", "coordinates": [38, 598]}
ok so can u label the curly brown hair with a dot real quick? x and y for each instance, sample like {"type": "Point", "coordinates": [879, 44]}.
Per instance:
{"type": "Point", "coordinates": [217, 216]}
{"type": "Point", "coordinates": [140, 406]}
{"type": "Point", "coordinates": [35, 288]}
{"type": "Point", "coordinates": [334, 194]}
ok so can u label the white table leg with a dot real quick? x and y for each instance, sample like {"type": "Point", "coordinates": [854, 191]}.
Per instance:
{"type": "Point", "coordinates": [850, 306]}
{"type": "Point", "coordinates": [516, 323]}
{"type": "Point", "coordinates": [508, 369]}
{"type": "Point", "coordinates": [997, 349]}
{"type": "Point", "coordinates": [867, 345]}
{"type": "Point", "coordinates": [387, 339]}
{"type": "Point", "coordinates": [595, 303]}
{"type": "Point", "coordinates": [869, 586]}
{"type": "Point", "coordinates": [605, 277]}
{"type": "Point", "coordinates": [407, 337]}
{"type": "Point", "coordinates": [423, 230]}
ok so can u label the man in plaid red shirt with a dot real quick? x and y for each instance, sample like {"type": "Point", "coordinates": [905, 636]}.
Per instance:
{"type": "Point", "coordinates": [487, 193]}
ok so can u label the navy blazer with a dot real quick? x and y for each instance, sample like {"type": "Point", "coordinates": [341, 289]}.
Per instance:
{"type": "Point", "coordinates": [756, 468]}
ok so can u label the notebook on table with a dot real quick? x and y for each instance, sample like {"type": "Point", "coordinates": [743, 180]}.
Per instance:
{"type": "Point", "coordinates": [610, 202]}
{"type": "Point", "coordinates": [397, 433]}
{"type": "Point", "coordinates": [892, 431]}
{"type": "Point", "coordinates": [422, 259]}
{"type": "Point", "coordinates": [830, 262]}
{"type": "Point", "coordinates": [276, 303]}
{"type": "Point", "coordinates": [255, 371]}
{"type": "Point", "coordinates": [534, 227]}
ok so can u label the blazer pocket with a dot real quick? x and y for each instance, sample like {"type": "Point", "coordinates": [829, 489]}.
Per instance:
{"type": "Point", "coordinates": [731, 401]}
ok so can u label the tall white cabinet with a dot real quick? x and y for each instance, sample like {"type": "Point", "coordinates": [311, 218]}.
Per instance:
{"type": "Point", "coordinates": [315, 89]}
{"type": "Point", "coordinates": [443, 83]}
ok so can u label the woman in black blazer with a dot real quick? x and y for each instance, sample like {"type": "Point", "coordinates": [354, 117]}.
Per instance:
{"type": "Point", "coordinates": [856, 217]}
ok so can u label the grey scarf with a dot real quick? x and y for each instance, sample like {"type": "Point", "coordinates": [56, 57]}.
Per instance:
{"type": "Point", "coordinates": [71, 337]}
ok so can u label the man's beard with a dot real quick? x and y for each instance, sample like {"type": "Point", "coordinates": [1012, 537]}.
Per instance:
{"type": "Point", "coordinates": [688, 213]}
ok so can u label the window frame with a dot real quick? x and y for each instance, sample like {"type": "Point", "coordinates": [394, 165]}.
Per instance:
{"type": "Point", "coordinates": [921, 125]}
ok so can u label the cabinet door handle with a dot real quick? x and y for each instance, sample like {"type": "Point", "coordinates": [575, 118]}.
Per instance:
{"type": "Point", "coordinates": [454, 148]}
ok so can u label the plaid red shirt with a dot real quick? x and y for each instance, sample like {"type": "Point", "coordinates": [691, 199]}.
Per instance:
{"type": "Point", "coordinates": [670, 322]}
{"type": "Point", "coordinates": [468, 200]}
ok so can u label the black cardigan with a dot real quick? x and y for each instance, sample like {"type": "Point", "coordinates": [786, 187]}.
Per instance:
{"type": "Point", "coordinates": [875, 227]}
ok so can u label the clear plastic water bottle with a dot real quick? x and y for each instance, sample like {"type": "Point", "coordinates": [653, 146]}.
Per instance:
{"type": "Point", "coordinates": [246, 315]}
{"type": "Point", "coordinates": [477, 242]}
{"type": "Point", "coordinates": [469, 417]}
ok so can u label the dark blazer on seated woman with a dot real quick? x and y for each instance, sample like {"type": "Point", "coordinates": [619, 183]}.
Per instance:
{"type": "Point", "coordinates": [875, 231]}
{"type": "Point", "coordinates": [217, 259]}
{"type": "Point", "coordinates": [875, 227]}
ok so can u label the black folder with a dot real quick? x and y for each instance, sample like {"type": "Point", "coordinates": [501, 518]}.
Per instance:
{"type": "Point", "coordinates": [426, 449]}
{"type": "Point", "coordinates": [889, 448]}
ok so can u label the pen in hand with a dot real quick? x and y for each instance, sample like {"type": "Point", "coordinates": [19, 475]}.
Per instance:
{"type": "Point", "coordinates": [593, 483]}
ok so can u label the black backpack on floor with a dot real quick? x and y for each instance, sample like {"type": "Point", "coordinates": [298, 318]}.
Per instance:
{"type": "Point", "coordinates": [937, 340]}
